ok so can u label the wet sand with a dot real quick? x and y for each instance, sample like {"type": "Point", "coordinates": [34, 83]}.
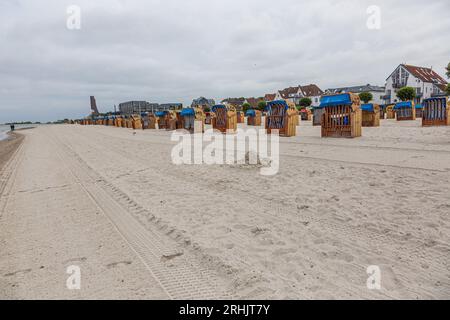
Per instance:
{"type": "Point", "coordinates": [9, 146]}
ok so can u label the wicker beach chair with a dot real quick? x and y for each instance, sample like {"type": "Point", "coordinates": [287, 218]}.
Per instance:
{"type": "Point", "coordinates": [109, 121]}
{"type": "Point", "coordinates": [342, 117]}
{"type": "Point", "coordinates": [305, 115]}
{"type": "Point", "coordinates": [124, 122]}
{"type": "Point", "coordinates": [370, 115]}
{"type": "Point", "coordinates": [254, 117]}
{"type": "Point", "coordinates": [281, 117]}
{"type": "Point", "coordinates": [192, 120]}
{"type": "Point", "coordinates": [136, 122]}
{"type": "Point", "coordinates": [161, 117]}
{"type": "Point", "coordinates": [317, 116]}
{"type": "Point", "coordinates": [436, 112]}
{"type": "Point", "coordinates": [296, 116]}
{"type": "Point", "coordinates": [419, 110]}
{"type": "Point", "coordinates": [118, 121]}
{"type": "Point", "coordinates": [405, 111]}
{"type": "Point", "coordinates": [240, 117]}
{"type": "Point", "coordinates": [390, 112]}
{"type": "Point", "coordinates": [171, 120]}
{"type": "Point", "coordinates": [224, 118]}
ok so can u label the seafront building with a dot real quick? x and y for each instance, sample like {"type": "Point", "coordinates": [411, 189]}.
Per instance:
{"type": "Point", "coordinates": [295, 94]}
{"type": "Point", "coordinates": [137, 107]}
{"type": "Point", "coordinates": [425, 81]}
{"type": "Point", "coordinates": [203, 103]}
{"type": "Point", "coordinates": [376, 91]}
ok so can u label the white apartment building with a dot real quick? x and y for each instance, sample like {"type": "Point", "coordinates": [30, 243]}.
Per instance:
{"type": "Point", "coordinates": [426, 82]}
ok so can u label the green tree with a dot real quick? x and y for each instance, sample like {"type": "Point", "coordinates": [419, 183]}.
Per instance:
{"type": "Point", "coordinates": [366, 97]}
{"type": "Point", "coordinates": [246, 106]}
{"type": "Point", "coordinates": [262, 105]}
{"type": "Point", "coordinates": [448, 70]}
{"type": "Point", "coordinates": [406, 93]}
{"type": "Point", "coordinates": [305, 102]}
{"type": "Point", "coordinates": [447, 90]}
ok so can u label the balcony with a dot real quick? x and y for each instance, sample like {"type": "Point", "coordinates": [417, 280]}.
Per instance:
{"type": "Point", "coordinates": [399, 85]}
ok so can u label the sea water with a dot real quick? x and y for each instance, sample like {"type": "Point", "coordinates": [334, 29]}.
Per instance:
{"type": "Point", "coordinates": [3, 130]}
{"type": "Point", "coordinates": [6, 128]}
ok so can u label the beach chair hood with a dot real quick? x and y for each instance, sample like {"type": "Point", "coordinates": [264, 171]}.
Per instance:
{"type": "Point", "coordinates": [250, 113]}
{"type": "Point", "coordinates": [160, 113]}
{"type": "Point", "coordinates": [343, 99]}
{"type": "Point", "coordinates": [218, 106]}
{"type": "Point", "coordinates": [276, 103]}
{"type": "Point", "coordinates": [367, 107]}
{"type": "Point", "coordinates": [403, 104]}
{"type": "Point", "coordinates": [370, 107]}
{"type": "Point", "coordinates": [186, 112]}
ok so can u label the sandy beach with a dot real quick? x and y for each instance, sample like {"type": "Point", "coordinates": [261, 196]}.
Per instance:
{"type": "Point", "coordinates": [110, 201]}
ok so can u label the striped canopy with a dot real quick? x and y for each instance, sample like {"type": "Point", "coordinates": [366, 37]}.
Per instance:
{"type": "Point", "coordinates": [442, 99]}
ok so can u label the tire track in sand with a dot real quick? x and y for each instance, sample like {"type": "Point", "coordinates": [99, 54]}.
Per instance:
{"type": "Point", "coordinates": [178, 273]}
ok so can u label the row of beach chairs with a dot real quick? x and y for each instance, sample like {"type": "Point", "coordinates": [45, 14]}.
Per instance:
{"type": "Point", "coordinates": [340, 115]}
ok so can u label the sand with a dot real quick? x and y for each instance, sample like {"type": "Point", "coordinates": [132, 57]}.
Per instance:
{"type": "Point", "coordinates": [111, 201]}
{"type": "Point", "coordinates": [47, 223]}
{"type": "Point", "coordinates": [8, 147]}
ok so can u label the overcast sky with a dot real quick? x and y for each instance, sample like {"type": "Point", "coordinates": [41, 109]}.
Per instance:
{"type": "Point", "coordinates": [174, 51]}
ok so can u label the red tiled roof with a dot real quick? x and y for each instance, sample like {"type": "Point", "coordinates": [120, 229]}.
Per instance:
{"type": "Point", "coordinates": [270, 97]}
{"type": "Point", "coordinates": [237, 102]}
{"type": "Point", "coordinates": [286, 93]}
{"type": "Point", "coordinates": [425, 74]}
{"type": "Point", "coordinates": [442, 86]}
{"type": "Point", "coordinates": [311, 90]}
{"type": "Point", "coordinates": [253, 102]}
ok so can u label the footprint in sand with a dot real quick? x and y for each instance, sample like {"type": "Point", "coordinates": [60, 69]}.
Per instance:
{"type": "Point", "coordinates": [119, 263]}
{"type": "Point", "coordinates": [165, 258]}
{"type": "Point", "coordinates": [17, 272]}
{"type": "Point", "coordinates": [257, 230]}
{"type": "Point", "coordinates": [82, 259]}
